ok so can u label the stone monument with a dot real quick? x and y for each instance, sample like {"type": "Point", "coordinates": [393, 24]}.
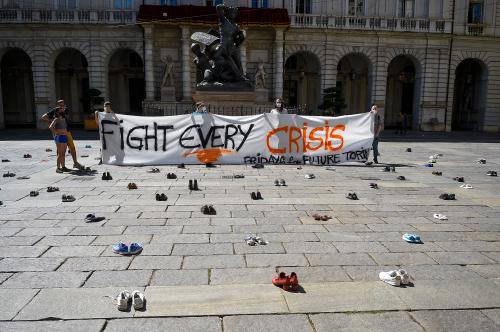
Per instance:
{"type": "Point", "coordinates": [167, 82]}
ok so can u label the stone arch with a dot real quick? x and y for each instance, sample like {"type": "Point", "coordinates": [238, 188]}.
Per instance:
{"type": "Point", "coordinates": [302, 81]}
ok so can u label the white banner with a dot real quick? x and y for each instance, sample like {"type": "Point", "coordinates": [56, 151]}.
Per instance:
{"type": "Point", "coordinates": [209, 138]}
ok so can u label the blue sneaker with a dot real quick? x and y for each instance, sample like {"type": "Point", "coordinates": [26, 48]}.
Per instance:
{"type": "Point", "coordinates": [429, 165]}
{"type": "Point", "coordinates": [120, 248]}
{"type": "Point", "coordinates": [135, 248]}
{"type": "Point", "coordinates": [412, 238]}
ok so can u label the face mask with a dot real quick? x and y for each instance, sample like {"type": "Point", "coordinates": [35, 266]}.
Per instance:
{"type": "Point", "coordinates": [203, 109]}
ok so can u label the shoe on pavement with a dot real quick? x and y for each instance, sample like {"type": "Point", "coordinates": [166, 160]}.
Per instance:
{"type": "Point", "coordinates": [390, 277]}
{"type": "Point", "coordinates": [138, 300]}
{"type": "Point", "coordinates": [123, 300]}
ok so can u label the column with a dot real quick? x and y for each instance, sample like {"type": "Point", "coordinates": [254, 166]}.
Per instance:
{"type": "Point", "coordinates": [43, 83]}
{"type": "Point", "coordinates": [243, 58]}
{"type": "Point", "coordinates": [278, 64]}
{"type": "Point", "coordinates": [148, 63]}
{"type": "Point", "coordinates": [2, 119]}
{"type": "Point", "coordinates": [186, 65]}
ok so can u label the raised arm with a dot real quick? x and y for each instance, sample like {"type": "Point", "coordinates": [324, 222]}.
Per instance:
{"type": "Point", "coordinates": [52, 126]}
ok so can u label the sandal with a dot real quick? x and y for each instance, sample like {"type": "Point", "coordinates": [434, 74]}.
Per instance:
{"type": "Point", "coordinates": [68, 198]}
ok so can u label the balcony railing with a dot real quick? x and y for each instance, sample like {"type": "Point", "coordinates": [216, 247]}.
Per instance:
{"type": "Point", "coordinates": [67, 16]}
{"type": "Point", "coordinates": [474, 29]}
{"type": "Point", "coordinates": [370, 23]}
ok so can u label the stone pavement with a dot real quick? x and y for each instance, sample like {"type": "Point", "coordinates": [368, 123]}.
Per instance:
{"type": "Point", "coordinates": [198, 273]}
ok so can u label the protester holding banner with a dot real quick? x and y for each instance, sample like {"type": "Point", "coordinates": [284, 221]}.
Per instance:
{"type": "Point", "coordinates": [107, 109]}
{"type": "Point", "coordinates": [279, 107]}
{"type": "Point", "coordinates": [377, 129]}
{"type": "Point", "coordinates": [200, 107]}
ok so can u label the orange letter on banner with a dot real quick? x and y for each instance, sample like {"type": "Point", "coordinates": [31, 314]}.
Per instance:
{"type": "Point", "coordinates": [271, 133]}
{"type": "Point", "coordinates": [293, 140]}
{"type": "Point", "coordinates": [313, 138]}
{"type": "Point", "coordinates": [340, 137]}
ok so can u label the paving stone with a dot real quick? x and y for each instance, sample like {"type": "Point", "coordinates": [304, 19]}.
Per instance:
{"type": "Point", "coordinates": [153, 230]}
{"type": "Point", "coordinates": [95, 263]}
{"type": "Point", "coordinates": [469, 246]}
{"type": "Point", "coordinates": [119, 278]}
{"type": "Point", "coordinates": [92, 303]}
{"type": "Point", "coordinates": [179, 277]}
{"type": "Point", "coordinates": [23, 251]}
{"type": "Point", "coordinates": [242, 275]}
{"type": "Point", "coordinates": [212, 262]}
{"type": "Point", "coordinates": [487, 271]}
{"type": "Point", "coordinates": [304, 228]}
{"type": "Point", "coordinates": [205, 229]}
{"type": "Point", "coordinates": [460, 258]}
{"type": "Point", "coordinates": [18, 298]}
{"type": "Point", "coordinates": [348, 247]}
{"type": "Point", "coordinates": [408, 258]}
{"type": "Point", "coordinates": [188, 324]}
{"type": "Point", "coordinates": [253, 229]}
{"type": "Point", "coordinates": [74, 251]}
{"type": "Point", "coordinates": [202, 249]}
{"type": "Point", "coordinates": [181, 238]}
{"type": "Point", "coordinates": [265, 260]}
{"type": "Point", "coordinates": [275, 323]}
{"type": "Point", "coordinates": [5, 276]}
{"type": "Point", "coordinates": [98, 230]}
{"type": "Point", "coordinates": [339, 259]}
{"type": "Point", "coordinates": [309, 247]}
{"type": "Point", "coordinates": [270, 248]}
{"type": "Point", "coordinates": [37, 231]}
{"type": "Point", "coordinates": [493, 314]}
{"type": "Point", "coordinates": [46, 280]}
{"type": "Point", "coordinates": [128, 238]}
{"type": "Point", "coordinates": [89, 325]}
{"type": "Point", "coordinates": [378, 322]}
{"type": "Point", "coordinates": [156, 262]}
{"type": "Point", "coordinates": [463, 320]}
{"type": "Point", "coordinates": [29, 264]}
{"type": "Point", "coordinates": [66, 240]}
{"type": "Point", "coordinates": [19, 240]}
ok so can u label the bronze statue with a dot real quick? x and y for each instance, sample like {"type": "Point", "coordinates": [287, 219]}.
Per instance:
{"type": "Point", "coordinates": [219, 59]}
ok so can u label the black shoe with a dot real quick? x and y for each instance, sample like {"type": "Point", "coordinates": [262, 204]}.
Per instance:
{"type": "Point", "coordinates": [104, 177]}
{"type": "Point", "coordinates": [437, 173]}
{"type": "Point", "coordinates": [374, 185]}
{"type": "Point", "coordinates": [195, 185]}
{"type": "Point", "coordinates": [402, 178]}
{"type": "Point", "coordinates": [408, 149]}
{"type": "Point", "coordinates": [205, 209]}
{"type": "Point", "coordinates": [459, 179]}
{"type": "Point", "coordinates": [211, 210]}
{"type": "Point", "coordinates": [253, 196]}
{"type": "Point", "coordinates": [33, 193]}
{"type": "Point", "coordinates": [393, 169]}
{"type": "Point", "coordinates": [491, 173]}
{"type": "Point", "coordinates": [210, 165]}
{"type": "Point", "coordinates": [157, 197]}
{"type": "Point", "coordinates": [181, 166]}
{"type": "Point", "coordinates": [258, 166]}
{"type": "Point", "coordinates": [352, 196]}
{"type": "Point", "coordinates": [173, 176]}
{"type": "Point", "coordinates": [190, 184]}
{"type": "Point", "coordinates": [258, 195]}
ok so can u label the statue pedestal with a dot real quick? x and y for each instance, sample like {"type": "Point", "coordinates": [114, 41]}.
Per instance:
{"type": "Point", "coordinates": [168, 93]}
{"type": "Point", "coordinates": [261, 95]}
{"type": "Point", "coordinates": [226, 98]}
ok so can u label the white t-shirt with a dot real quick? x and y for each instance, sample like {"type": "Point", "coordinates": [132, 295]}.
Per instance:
{"type": "Point", "coordinates": [276, 111]}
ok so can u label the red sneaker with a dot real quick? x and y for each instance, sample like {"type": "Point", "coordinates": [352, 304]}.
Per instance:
{"type": "Point", "coordinates": [281, 280]}
{"type": "Point", "coordinates": [293, 282]}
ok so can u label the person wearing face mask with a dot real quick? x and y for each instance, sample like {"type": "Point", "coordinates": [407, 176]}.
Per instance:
{"type": "Point", "coordinates": [63, 112]}
{"type": "Point", "coordinates": [279, 107]}
{"type": "Point", "coordinates": [200, 107]}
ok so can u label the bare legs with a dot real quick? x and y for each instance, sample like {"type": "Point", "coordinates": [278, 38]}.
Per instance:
{"type": "Point", "coordinates": [61, 155]}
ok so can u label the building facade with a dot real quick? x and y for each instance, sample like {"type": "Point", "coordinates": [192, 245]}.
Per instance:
{"type": "Point", "coordinates": [437, 61]}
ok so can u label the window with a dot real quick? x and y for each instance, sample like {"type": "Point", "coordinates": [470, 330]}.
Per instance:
{"type": "Point", "coordinates": [259, 3]}
{"type": "Point", "coordinates": [122, 4]}
{"type": "Point", "coordinates": [211, 3]}
{"type": "Point", "coordinates": [475, 12]}
{"type": "Point", "coordinates": [66, 4]}
{"type": "Point", "coordinates": [303, 6]}
{"type": "Point", "coordinates": [356, 8]}
{"type": "Point", "coordinates": [168, 2]}
{"type": "Point", "coordinates": [407, 8]}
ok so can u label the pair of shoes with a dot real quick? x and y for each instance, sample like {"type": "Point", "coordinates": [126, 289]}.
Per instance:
{"type": "Point", "coordinates": [491, 173]}
{"type": "Point", "coordinates": [239, 176]}
{"type": "Point", "coordinates": [23, 178]}
{"type": "Point", "coordinates": [154, 170]}
{"type": "Point", "coordinates": [440, 216]}
{"type": "Point", "coordinates": [437, 173]}
{"type": "Point", "coordinates": [106, 176]}
{"type": "Point", "coordinates": [481, 161]}
{"type": "Point", "coordinates": [210, 165]}
{"type": "Point", "coordinates": [286, 282]}
{"type": "Point", "coordinates": [256, 195]}
{"type": "Point", "coordinates": [131, 186]}
{"type": "Point", "coordinates": [412, 238]}
{"type": "Point", "coordinates": [52, 189]}
{"type": "Point", "coordinates": [458, 179]}
{"type": "Point", "coordinates": [181, 166]}
{"type": "Point", "coordinates": [402, 178]}
{"type": "Point", "coordinates": [92, 218]}
{"type": "Point", "coordinates": [68, 198]}
{"type": "Point", "coordinates": [161, 197]}
{"type": "Point", "coordinates": [373, 185]}
{"type": "Point", "coordinates": [33, 193]}
{"type": "Point", "coordinates": [122, 249]}
{"type": "Point", "coordinates": [408, 149]}
{"type": "Point", "coordinates": [193, 185]}
{"type": "Point", "coordinates": [310, 176]}
{"type": "Point", "coordinates": [9, 175]}
{"type": "Point", "coordinates": [321, 217]}
{"type": "Point", "coordinates": [466, 186]}
{"type": "Point", "coordinates": [368, 163]}
{"type": "Point", "coordinates": [352, 196]}
{"type": "Point", "coordinates": [5, 161]}
{"type": "Point", "coordinates": [254, 240]}
{"type": "Point", "coordinates": [258, 166]}
{"type": "Point", "coordinates": [279, 182]}
{"type": "Point", "coordinates": [78, 166]}
{"type": "Point", "coordinates": [171, 176]}
{"type": "Point", "coordinates": [124, 299]}
{"type": "Point", "coordinates": [447, 197]}
{"type": "Point", "coordinates": [48, 150]}
{"type": "Point", "coordinates": [208, 209]}
{"type": "Point", "coordinates": [395, 277]}
{"type": "Point", "coordinates": [27, 156]}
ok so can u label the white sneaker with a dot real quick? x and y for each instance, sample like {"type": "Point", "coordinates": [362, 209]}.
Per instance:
{"type": "Point", "coordinates": [405, 277]}
{"type": "Point", "coordinates": [390, 277]}
{"type": "Point", "coordinates": [138, 300]}
{"type": "Point", "coordinates": [466, 186]}
{"type": "Point", "coordinates": [123, 300]}
{"type": "Point", "coordinates": [440, 216]}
